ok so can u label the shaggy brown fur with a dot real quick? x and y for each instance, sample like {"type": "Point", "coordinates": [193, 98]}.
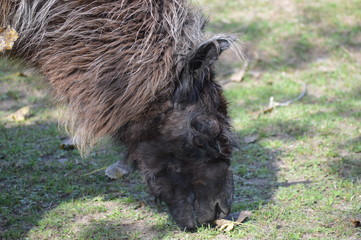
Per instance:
{"type": "Point", "coordinates": [139, 71]}
{"type": "Point", "coordinates": [4, 12]}
{"type": "Point", "coordinates": [146, 43]}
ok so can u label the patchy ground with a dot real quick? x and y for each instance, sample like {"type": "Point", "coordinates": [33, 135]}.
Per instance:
{"type": "Point", "coordinates": [298, 169]}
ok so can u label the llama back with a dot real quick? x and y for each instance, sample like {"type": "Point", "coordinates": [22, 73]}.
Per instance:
{"type": "Point", "coordinates": [108, 61]}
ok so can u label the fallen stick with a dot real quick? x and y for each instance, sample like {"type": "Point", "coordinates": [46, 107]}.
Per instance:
{"type": "Point", "coordinates": [273, 104]}
{"type": "Point", "coordinates": [95, 171]}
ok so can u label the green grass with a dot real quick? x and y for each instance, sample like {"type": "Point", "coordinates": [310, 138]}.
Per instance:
{"type": "Point", "coordinates": [301, 179]}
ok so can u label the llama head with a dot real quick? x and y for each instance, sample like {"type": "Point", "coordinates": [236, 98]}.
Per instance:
{"type": "Point", "coordinates": [187, 164]}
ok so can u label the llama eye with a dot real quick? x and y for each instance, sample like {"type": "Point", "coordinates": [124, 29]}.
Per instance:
{"type": "Point", "coordinates": [199, 142]}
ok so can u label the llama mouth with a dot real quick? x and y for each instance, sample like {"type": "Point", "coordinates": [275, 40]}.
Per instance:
{"type": "Point", "coordinates": [192, 221]}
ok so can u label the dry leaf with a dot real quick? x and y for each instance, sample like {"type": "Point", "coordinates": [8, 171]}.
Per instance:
{"type": "Point", "coordinates": [356, 222]}
{"type": "Point", "coordinates": [243, 216]}
{"type": "Point", "coordinates": [67, 144]}
{"type": "Point", "coordinates": [21, 114]}
{"type": "Point", "coordinates": [237, 76]}
{"type": "Point", "coordinates": [225, 225]}
{"type": "Point", "coordinates": [229, 223]}
{"type": "Point", "coordinates": [7, 38]}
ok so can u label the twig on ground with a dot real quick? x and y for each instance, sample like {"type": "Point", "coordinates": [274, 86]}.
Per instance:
{"type": "Point", "coordinates": [95, 171]}
{"type": "Point", "coordinates": [273, 104]}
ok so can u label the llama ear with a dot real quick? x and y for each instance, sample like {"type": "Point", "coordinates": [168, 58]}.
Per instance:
{"type": "Point", "coordinates": [192, 80]}
{"type": "Point", "coordinates": [208, 53]}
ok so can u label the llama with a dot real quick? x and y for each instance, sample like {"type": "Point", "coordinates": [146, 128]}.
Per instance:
{"type": "Point", "coordinates": [140, 72]}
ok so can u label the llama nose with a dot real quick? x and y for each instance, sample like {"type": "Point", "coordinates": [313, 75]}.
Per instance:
{"type": "Point", "coordinates": [219, 212]}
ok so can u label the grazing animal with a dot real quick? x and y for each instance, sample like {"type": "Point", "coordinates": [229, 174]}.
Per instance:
{"type": "Point", "coordinates": [140, 72]}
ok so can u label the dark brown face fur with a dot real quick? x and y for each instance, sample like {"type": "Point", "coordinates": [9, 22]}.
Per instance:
{"type": "Point", "coordinates": [187, 166]}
